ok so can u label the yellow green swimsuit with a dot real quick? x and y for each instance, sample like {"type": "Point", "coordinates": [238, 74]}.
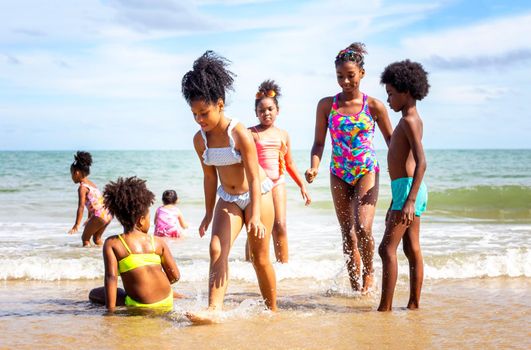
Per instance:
{"type": "Point", "coordinates": [133, 261]}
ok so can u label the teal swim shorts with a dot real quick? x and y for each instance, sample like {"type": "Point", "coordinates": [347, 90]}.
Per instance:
{"type": "Point", "coordinates": [400, 189]}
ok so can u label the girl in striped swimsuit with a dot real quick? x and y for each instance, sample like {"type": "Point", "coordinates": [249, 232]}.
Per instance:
{"type": "Point", "coordinates": [351, 117]}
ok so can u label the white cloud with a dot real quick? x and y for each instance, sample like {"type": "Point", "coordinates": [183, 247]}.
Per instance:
{"type": "Point", "coordinates": [491, 38]}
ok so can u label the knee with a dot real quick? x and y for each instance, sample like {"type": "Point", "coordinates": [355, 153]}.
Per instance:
{"type": "Point", "coordinates": [411, 252]}
{"type": "Point", "coordinates": [385, 252]}
{"type": "Point", "coordinates": [280, 228]}
{"type": "Point", "coordinates": [364, 231]}
{"type": "Point", "coordinates": [215, 249]}
{"type": "Point", "coordinates": [261, 260]}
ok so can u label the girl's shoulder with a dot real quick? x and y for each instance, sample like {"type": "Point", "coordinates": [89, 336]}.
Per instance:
{"type": "Point", "coordinates": [376, 107]}
{"type": "Point", "coordinates": [373, 102]}
{"type": "Point", "coordinates": [325, 104]}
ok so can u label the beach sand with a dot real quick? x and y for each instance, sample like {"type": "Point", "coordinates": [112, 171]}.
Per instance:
{"type": "Point", "coordinates": [466, 313]}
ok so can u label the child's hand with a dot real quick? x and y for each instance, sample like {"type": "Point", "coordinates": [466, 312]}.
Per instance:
{"type": "Point", "coordinates": [256, 228]}
{"type": "Point", "coordinates": [408, 212]}
{"type": "Point", "coordinates": [311, 174]}
{"type": "Point", "coordinates": [305, 196]}
{"type": "Point", "coordinates": [73, 229]}
{"type": "Point", "coordinates": [204, 225]}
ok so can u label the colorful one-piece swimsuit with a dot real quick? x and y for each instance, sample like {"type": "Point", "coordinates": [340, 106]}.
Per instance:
{"type": "Point", "coordinates": [94, 204]}
{"type": "Point", "coordinates": [353, 152]}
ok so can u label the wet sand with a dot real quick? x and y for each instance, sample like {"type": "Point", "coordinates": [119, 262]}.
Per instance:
{"type": "Point", "coordinates": [475, 313]}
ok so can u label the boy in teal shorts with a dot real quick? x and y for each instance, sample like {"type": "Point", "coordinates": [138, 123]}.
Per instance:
{"type": "Point", "coordinates": [406, 83]}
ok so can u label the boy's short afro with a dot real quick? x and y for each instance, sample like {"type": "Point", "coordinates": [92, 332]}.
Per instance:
{"type": "Point", "coordinates": [407, 76]}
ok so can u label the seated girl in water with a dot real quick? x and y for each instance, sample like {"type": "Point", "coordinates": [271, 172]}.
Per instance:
{"type": "Point", "coordinates": [169, 221]}
{"type": "Point", "coordinates": [89, 196]}
{"type": "Point", "coordinates": [143, 261]}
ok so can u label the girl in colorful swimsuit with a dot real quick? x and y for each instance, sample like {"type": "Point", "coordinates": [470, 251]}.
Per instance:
{"type": "Point", "coordinates": [89, 196]}
{"type": "Point", "coordinates": [144, 262]}
{"type": "Point", "coordinates": [169, 220]}
{"type": "Point", "coordinates": [351, 117]}
{"type": "Point", "coordinates": [274, 156]}
{"type": "Point", "coordinates": [226, 151]}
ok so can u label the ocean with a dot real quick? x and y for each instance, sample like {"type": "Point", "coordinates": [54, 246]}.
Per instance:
{"type": "Point", "coordinates": [476, 231]}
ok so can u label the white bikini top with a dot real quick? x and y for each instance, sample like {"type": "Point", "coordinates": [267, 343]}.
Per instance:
{"type": "Point", "coordinates": [222, 156]}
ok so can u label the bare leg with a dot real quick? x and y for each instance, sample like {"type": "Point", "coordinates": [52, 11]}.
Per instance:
{"type": "Point", "coordinates": [394, 230]}
{"type": "Point", "coordinates": [343, 197]}
{"type": "Point", "coordinates": [97, 296]}
{"type": "Point", "coordinates": [93, 226]}
{"type": "Point", "coordinates": [411, 244]}
{"type": "Point", "coordinates": [280, 233]}
{"type": "Point", "coordinates": [97, 235]}
{"type": "Point", "coordinates": [259, 248]}
{"type": "Point", "coordinates": [227, 224]}
{"type": "Point", "coordinates": [366, 196]}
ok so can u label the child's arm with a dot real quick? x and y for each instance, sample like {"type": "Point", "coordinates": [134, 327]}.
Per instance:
{"type": "Point", "coordinates": [168, 263]}
{"type": "Point", "coordinates": [210, 184]}
{"type": "Point", "coordinates": [111, 274]}
{"type": "Point", "coordinates": [155, 219]}
{"type": "Point", "coordinates": [291, 168]}
{"type": "Point", "coordinates": [413, 130]}
{"type": "Point", "coordinates": [182, 222]}
{"type": "Point", "coordinates": [321, 124]}
{"type": "Point", "coordinates": [82, 195]}
{"type": "Point", "coordinates": [379, 113]}
{"type": "Point", "coordinates": [245, 143]}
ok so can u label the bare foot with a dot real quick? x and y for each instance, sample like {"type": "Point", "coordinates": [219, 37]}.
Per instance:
{"type": "Point", "coordinates": [412, 305]}
{"type": "Point", "coordinates": [367, 283]}
{"type": "Point", "coordinates": [204, 317]}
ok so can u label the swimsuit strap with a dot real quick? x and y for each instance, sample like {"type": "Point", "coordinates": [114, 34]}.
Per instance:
{"type": "Point", "coordinates": [204, 138]}
{"type": "Point", "coordinates": [232, 124]}
{"type": "Point", "coordinates": [153, 243]}
{"type": "Point", "coordinates": [257, 133]}
{"type": "Point", "coordinates": [125, 244]}
{"type": "Point", "coordinates": [335, 103]}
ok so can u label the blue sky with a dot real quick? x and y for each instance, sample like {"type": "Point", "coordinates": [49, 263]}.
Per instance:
{"type": "Point", "coordinates": [106, 74]}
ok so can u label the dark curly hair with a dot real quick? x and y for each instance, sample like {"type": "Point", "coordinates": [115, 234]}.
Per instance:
{"type": "Point", "coordinates": [82, 163]}
{"type": "Point", "coordinates": [208, 80]}
{"type": "Point", "coordinates": [355, 52]}
{"type": "Point", "coordinates": [265, 90]}
{"type": "Point", "coordinates": [127, 200]}
{"type": "Point", "coordinates": [169, 197]}
{"type": "Point", "coordinates": [407, 76]}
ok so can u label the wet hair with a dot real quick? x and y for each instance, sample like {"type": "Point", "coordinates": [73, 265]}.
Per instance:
{"type": "Point", "coordinates": [355, 52]}
{"type": "Point", "coordinates": [127, 200]}
{"type": "Point", "coordinates": [82, 163]}
{"type": "Point", "coordinates": [407, 76]}
{"type": "Point", "coordinates": [208, 80]}
{"type": "Point", "coordinates": [270, 89]}
{"type": "Point", "coordinates": [169, 197]}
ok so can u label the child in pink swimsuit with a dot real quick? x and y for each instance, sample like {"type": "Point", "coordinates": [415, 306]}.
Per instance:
{"type": "Point", "coordinates": [89, 196]}
{"type": "Point", "coordinates": [169, 221]}
{"type": "Point", "coordinates": [274, 156]}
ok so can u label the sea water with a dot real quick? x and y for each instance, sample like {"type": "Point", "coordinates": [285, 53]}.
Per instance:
{"type": "Point", "coordinates": [478, 222]}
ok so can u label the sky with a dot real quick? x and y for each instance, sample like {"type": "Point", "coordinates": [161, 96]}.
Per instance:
{"type": "Point", "coordinates": [106, 75]}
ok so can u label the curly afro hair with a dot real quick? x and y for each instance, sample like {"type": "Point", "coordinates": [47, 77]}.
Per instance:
{"type": "Point", "coordinates": [355, 52]}
{"type": "Point", "coordinates": [268, 88]}
{"type": "Point", "coordinates": [407, 76]}
{"type": "Point", "coordinates": [208, 80]}
{"type": "Point", "coordinates": [127, 200]}
{"type": "Point", "coordinates": [82, 163]}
